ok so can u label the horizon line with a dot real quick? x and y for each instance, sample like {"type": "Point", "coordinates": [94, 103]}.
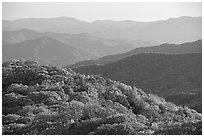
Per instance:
{"type": "Point", "coordinates": [113, 20]}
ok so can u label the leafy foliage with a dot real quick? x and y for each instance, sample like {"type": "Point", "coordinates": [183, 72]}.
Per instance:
{"type": "Point", "coordinates": [42, 100]}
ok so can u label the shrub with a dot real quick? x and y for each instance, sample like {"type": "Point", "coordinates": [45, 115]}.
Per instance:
{"type": "Point", "coordinates": [10, 118]}
{"type": "Point", "coordinates": [94, 111]}
{"type": "Point", "coordinates": [84, 127]}
{"type": "Point", "coordinates": [115, 129]}
{"type": "Point", "coordinates": [118, 118]}
{"type": "Point", "coordinates": [18, 89]}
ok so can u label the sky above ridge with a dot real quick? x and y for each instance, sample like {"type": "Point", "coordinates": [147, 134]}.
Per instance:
{"type": "Point", "coordinates": [90, 11]}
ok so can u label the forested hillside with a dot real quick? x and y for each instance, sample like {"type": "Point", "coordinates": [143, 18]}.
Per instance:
{"type": "Point", "coordinates": [47, 100]}
{"type": "Point", "coordinates": [175, 77]}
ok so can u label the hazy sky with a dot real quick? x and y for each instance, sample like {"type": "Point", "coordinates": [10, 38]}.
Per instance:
{"type": "Point", "coordinates": [99, 11]}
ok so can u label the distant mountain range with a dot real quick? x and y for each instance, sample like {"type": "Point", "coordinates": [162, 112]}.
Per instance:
{"type": "Point", "coordinates": [88, 46]}
{"type": "Point", "coordinates": [97, 40]}
{"type": "Point", "coordinates": [173, 30]}
{"type": "Point", "coordinates": [162, 74]}
{"type": "Point", "coordinates": [188, 47]}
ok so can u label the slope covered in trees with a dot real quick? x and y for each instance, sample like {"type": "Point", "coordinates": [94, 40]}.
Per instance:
{"type": "Point", "coordinates": [167, 75]}
{"type": "Point", "coordinates": [46, 100]}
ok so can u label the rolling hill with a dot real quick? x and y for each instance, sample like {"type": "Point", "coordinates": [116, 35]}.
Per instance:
{"type": "Point", "coordinates": [45, 50]}
{"type": "Point", "coordinates": [10, 37]}
{"type": "Point", "coordinates": [162, 74]}
{"type": "Point", "coordinates": [188, 47]}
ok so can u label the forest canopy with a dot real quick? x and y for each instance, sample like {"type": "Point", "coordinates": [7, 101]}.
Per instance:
{"type": "Point", "coordinates": [48, 100]}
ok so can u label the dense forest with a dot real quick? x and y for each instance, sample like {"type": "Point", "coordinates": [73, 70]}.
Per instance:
{"type": "Point", "coordinates": [48, 100]}
{"type": "Point", "coordinates": [176, 77]}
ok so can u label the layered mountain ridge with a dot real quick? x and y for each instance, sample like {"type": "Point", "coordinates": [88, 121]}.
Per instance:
{"type": "Point", "coordinates": [174, 30]}
{"type": "Point", "coordinates": [187, 47]}
{"type": "Point", "coordinates": [88, 46]}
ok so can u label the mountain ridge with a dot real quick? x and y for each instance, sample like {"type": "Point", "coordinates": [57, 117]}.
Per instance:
{"type": "Point", "coordinates": [183, 28]}
{"type": "Point", "coordinates": [95, 46]}
{"type": "Point", "coordinates": [46, 50]}
{"type": "Point", "coordinates": [187, 47]}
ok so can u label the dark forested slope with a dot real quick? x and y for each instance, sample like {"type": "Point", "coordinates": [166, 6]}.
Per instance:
{"type": "Point", "coordinates": [50, 100]}
{"type": "Point", "coordinates": [162, 74]}
{"type": "Point", "coordinates": [187, 47]}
